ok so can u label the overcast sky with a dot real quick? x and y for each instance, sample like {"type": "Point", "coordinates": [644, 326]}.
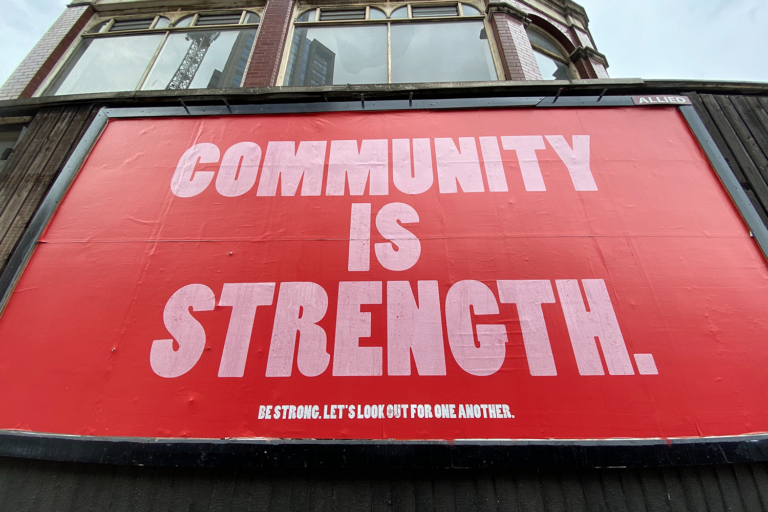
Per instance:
{"type": "Point", "coordinates": [694, 39]}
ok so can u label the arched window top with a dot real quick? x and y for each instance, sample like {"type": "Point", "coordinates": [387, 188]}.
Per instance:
{"type": "Point", "coordinates": [550, 55]}
{"type": "Point", "coordinates": [99, 27]}
{"type": "Point", "coordinates": [162, 22]}
{"type": "Point", "coordinates": [307, 16]}
{"type": "Point", "coordinates": [376, 14]}
{"type": "Point", "coordinates": [546, 42]}
{"type": "Point", "coordinates": [186, 21]}
{"type": "Point", "coordinates": [401, 12]}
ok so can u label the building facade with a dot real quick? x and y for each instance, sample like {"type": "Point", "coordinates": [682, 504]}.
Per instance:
{"type": "Point", "coordinates": [306, 255]}
{"type": "Point", "coordinates": [100, 47]}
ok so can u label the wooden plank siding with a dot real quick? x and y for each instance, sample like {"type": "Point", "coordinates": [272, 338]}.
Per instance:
{"type": "Point", "coordinates": [33, 166]}
{"type": "Point", "coordinates": [27, 485]}
{"type": "Point", "coordinates": [739, 126]}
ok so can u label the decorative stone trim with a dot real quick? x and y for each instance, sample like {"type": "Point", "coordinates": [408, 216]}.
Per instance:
{"type": "Point", "coordinates": [585, 52]}
{"type": "Point", "coordinates": [510, 10]}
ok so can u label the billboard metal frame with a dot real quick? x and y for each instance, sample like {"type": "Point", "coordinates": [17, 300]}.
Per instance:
{"type": "Point", "coordinates": [303, 453]}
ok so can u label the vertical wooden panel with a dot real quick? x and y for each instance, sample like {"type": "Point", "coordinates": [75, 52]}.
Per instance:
{"type": "Point", "coordinates": [739, 127]}
{"type": "Point", "coordinates": [38, 159]}
{"type": "Point", "coordinates": [40, 485]}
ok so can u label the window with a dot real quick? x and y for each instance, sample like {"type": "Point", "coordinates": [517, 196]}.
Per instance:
{"type": "Point", "coordinates": [550, 56]}
{"type": "Point", "coordinates": [10, 134]}
{"type": "Point", "coordinates": [410, 43]}
{"type": "Point", "coordinates": [198, 51]}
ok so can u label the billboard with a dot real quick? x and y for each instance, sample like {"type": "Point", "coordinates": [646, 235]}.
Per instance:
{"type": "Point", "coordinates": [496, 274]}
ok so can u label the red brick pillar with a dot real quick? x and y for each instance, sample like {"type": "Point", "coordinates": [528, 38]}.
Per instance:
{"type": "Point", "coordinates": [25, 80]}
{"type": "Point", "coordinates": [589, 62]}
{"type": "Point", "coordinates": [516, 50]}
{"type": "Point", "coordinates": [270, 43]}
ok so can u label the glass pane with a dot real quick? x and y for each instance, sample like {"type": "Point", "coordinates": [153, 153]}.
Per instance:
{"type": "Point", "coordinates": [163, 23]}
{"type": "Point", "coordinates": [428, 11]}
{"type": "Point", "coordinates": [122, 25]}
{"type": "Point", "coordinates": [202, 60]}
{"type": "Point", "coordinates": [402, 12]}
{"type": "Point", "coordinates": [205, 20]}
{"type": "Point", "coordinates": [107, 64]}
{"type": "Point", "coordinates": [376, 14]}
{"type": "Point", "coordinates": [339, 15]}
{"type": "Point", "coordinates": [468, 10]}
{"type": "Point", "coordinates": [307, 16]}
{"type": "Point", "coordinates": [252, 17]}
{"type": "Point", "coordinates": [184, 22]}
{"type": "Point", "coordinates": [338, 55]}
{"type": "Point", "coordinates": [441, 52]}
{"type": "Point", "coordinates": [543, 41]}
{"type": "Point", "coordinates": [552, 69]}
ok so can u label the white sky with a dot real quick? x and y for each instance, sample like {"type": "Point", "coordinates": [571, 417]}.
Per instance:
{"type": "Point", "coordinates": [692, 39]}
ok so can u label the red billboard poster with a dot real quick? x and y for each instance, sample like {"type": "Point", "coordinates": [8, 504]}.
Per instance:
{"type": "Point", "coordinates": [494, 274]}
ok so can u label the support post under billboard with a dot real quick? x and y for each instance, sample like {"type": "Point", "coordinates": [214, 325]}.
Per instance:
{"type": "Point", "coordinates": [724, 172]}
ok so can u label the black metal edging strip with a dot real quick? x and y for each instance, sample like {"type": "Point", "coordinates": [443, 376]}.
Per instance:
{"type": "Point", "coordinates": [724, 172]}
{"type": "Point", "coordinates": [374, 106]}
{"type": "Point", "coordinates": [20, 257]}
{"type": "Point", "coordinates": [383, 454]}
{"type": "Point", "coordinates": [322, 107]}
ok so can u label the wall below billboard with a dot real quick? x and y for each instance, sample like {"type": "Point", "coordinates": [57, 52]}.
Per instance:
{"type": "Point", "coordinates": [500, 274]}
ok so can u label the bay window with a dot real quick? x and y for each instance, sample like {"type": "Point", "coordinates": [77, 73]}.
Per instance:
{"type": "Point", "coordinates": [400, 44]}
{"type": "Point", "coordinates": [197, 51]}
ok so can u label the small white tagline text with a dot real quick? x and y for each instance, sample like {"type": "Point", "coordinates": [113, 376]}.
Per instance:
{"type": "Point", "coordinates": [381, 411]}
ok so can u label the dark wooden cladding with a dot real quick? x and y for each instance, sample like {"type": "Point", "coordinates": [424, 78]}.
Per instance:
{"type": "Point", "coordinates": [37, 485]}
{"type": "Point", "coordinates": [34, 165]}
{"type": "Point", "coordinates": [739, 126]}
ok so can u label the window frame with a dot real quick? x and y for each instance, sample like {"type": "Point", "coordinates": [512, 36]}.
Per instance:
{"type": "Point", "coordinates": [174, 18]}
{"type": "Point", "coordinates": [561, 58]}
{"type": "Point", "coordinates": [388, 9]}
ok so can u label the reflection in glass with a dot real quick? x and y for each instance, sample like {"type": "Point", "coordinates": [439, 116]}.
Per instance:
{"type": "Point", "coordinates": [202, 59]}
{"type": "Point", "coordinates": [441, 52]}
{"type": "Point", "coordinates": [550, 68]}
{"type": "Point", "coordinates": [543, 41]}
{"type": "Point", "coordinates": [338, 55]}
{"type": "Point", "coordinates": [108, 64]}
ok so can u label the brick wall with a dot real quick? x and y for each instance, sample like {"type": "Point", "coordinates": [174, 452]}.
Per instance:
{"type": "Point", "coordinates": [25, 80]}
{"type": "Point", "coordinates": [267, 53]}
{"type": "Point", "coordinates": [583, 37]}
{"type": "Point", "coordinates": [599, 69]}
{"type": "Point", "coordinates": [517, 52]}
